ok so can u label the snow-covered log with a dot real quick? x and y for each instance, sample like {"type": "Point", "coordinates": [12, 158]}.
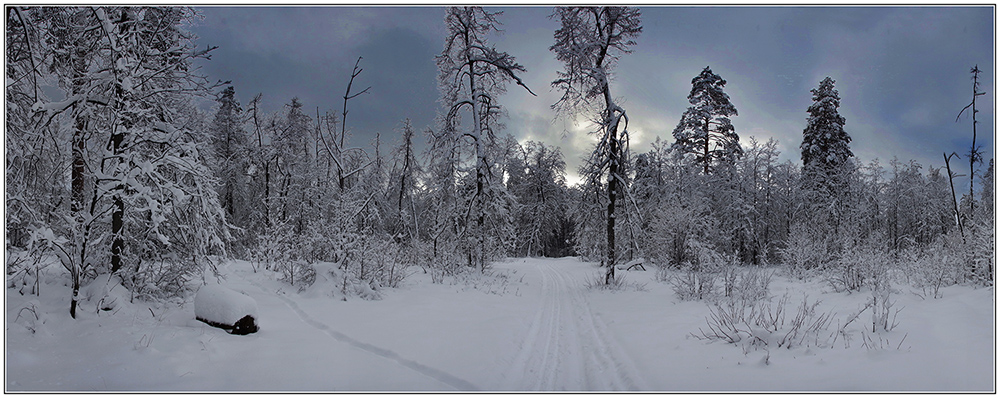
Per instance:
{"type": "Point", "coordinates": [227, 309]}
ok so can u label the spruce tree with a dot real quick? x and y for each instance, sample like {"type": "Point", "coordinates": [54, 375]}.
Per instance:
{"type": "Point", "coordinates": [705, 129]}
{"type": "Point", "coordinates": [825, 145]}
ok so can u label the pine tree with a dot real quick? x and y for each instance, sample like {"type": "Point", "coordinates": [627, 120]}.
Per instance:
{"type": "Point", "coordinates": [705, 129]}
{"type": "Point", "coordinates": [825, 145]}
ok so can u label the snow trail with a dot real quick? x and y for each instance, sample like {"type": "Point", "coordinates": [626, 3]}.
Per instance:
{"type": "Point", "coordinates": [436, 374]}
{"type": "Point", "coordinates": [567, 346]}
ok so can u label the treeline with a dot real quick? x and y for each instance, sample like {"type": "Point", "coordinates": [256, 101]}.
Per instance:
{"type": "Point", "coordinates": [126, 175]}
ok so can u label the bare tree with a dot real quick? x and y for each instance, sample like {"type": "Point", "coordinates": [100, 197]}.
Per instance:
{"type": "Point", "coordinates": [954, 199]}
{"type": "Point", "coordinates": [343, 122]}
{"type": "Point", "coordinates": [589, 43]}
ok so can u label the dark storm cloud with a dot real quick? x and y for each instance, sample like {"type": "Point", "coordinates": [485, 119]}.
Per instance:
{"type": "Point", "coordinates": [399, 66]}
{"type": "Point", "coordinates": [309, 53]}
{"type": "Point", "coordinates": [902, 72]}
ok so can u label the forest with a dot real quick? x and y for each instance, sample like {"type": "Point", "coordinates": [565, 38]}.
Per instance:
{"type": "Point", "coordinates": [116, 165]}
{"type": "Point", "coordinates": [460, 256]}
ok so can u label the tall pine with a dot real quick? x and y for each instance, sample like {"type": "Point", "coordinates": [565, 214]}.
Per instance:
{"type": "Point", "coordinates": [825, 145]}
{"type": "Point", "coordinates": [705, 129]}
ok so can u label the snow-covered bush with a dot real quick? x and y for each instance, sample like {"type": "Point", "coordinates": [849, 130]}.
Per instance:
{"type": "Point", "coordinates": [676, 234]}
{"type": "Point", "coordinates": [297, 273]}
{"type": "Point", "coordinates": [763, 324]}
{"type": "Point", "coordinates": [691, 283]}
{"type": "Point", "coordinates": [937, 267]}
{"type": "Point", "coordinates": [883, 311]}
{"type": "Point", "coordinates": [982, 252]}
{"type": "Point", "coordinates": [696, 279]}
{"type": "Point", "coordinates": [804, 251]}
{"type": "Point", "coordinates": [226, 308]}
{"type": "Point", "coordinates": [751, 283]}
{"type": "Point", "coordinates": [860, 265]}
{"type": "Point", "coordinates": [952, 259]}
{"type": "Point", "coordinates": [490, 281]}
{"type": "Point", "coordinates": [162, 278]}
{"type": "Point", "coordinates": [273, 248]}
{"type": "Point", "coordinates": [620, 283]}
{"type": "Point", "coordinates": [445, 262]}
{"type": "Point", "coordinates": [23, 268]}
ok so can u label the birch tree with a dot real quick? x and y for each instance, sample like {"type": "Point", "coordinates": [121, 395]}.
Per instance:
{"type": "Point", "coordinates": [589, 42]}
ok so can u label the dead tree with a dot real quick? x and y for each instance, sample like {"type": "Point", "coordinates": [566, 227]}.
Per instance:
{"type": "Point", "coordinates": [954, 199]}
{"type": "Point", "coordinates": [975, 155]}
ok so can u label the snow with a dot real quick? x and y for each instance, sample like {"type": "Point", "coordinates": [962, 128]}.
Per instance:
{"type": "Point", "coordinates": [105, 291]}
{"type": "Point", "coordinates": [531, 325]}
{"type": "Point", "coordinates": [221, 305]}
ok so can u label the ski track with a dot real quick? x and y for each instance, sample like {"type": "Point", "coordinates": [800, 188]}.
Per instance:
{"type": "Point", "coordinates": [567, 347]}
{"type": "Point", "coordinates": [436, 374]}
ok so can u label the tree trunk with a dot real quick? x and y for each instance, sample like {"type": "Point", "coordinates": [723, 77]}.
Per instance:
{"type": "Point", "coordinates": [117, 224]}
{"type": "Point", "coordinates": [707, 136]}
{"type": "Point", "coordinates": [118, 244]}
{"type": "Point", "coordinates": [954, 199]}
{"type": "Point", "coordinates": [609, 276]}
{"type": "Point", "coordinates": [267, 193]}
{"type": "Point", "coordinates": [79, 144]}
{"type": "Point", "coordinates": [76, 290]}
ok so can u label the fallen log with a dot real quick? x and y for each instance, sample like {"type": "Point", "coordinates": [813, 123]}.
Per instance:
{"type": "Point", "coordinates": [226, 309]}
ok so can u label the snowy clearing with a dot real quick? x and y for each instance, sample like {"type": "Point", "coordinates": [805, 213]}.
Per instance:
{"type": "Point", "coordinates": [533, 325]}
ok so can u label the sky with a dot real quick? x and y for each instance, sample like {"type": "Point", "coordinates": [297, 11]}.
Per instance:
{"type": "Point", "coordinates": [902, 72]}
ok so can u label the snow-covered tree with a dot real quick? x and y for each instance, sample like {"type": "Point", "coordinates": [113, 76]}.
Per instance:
{"type": "Point", "coordinates": [403, 186]}
{"type": "Point", "coordinates": [127, 78]}
{"type": "Point", "coordinates": [589, 42]}
{"type": "Point", "coordinates": [671, 194]}
{"type": "Point", "coordinates": [825, 145]}
{"type": "Point", "coordinates": [294, 145]}
{"type": "Point", "coordinates": [472, 75]}
{"type": "Point", "coordinates": [537, 179]}
{"type": "Point", "coordinates": [705, 129]}
{"type": "Point", "coordinates": [230, 145]}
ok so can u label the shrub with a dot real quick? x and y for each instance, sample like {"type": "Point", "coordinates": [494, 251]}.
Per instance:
{"type": "Point", "coordinates": [859, 266]}
{"type": "Point", "coordinates": [804, 251]}
{"type": "Point", "coordinates": [693, 284]}
{"type": "Point", "coordinates": [751, 283]}
{"type": "Point", "coordinates": [619, 283]}
{"type": "Point", "coordinates": [763, 324]}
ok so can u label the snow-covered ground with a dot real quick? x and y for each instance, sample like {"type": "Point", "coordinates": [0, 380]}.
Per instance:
{"type": "Point", "coordinates": [532, 325]}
